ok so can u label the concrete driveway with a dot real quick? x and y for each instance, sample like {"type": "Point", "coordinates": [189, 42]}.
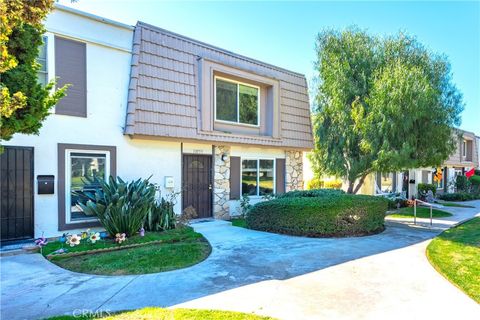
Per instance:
{"type": "Point", "coordinates": [385, 275]}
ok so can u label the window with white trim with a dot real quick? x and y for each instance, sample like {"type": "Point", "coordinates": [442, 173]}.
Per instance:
{"type": "Point", "coordinates": [258, 177]}
{"type": "Point", "coordinates": [464, 148]}
{"type": "Point", "coordinates": [237, 102]}
{"type": "Point", "coordinates": [42, 73]}
{"type": "Point", "coordinates": [84, 170]}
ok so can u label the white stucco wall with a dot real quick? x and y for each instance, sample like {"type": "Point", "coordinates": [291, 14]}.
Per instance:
{"type": "Point", "coordinates": [108, 71]}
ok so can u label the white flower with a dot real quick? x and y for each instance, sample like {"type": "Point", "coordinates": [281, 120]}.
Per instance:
{"type": "Point", "coordinates": [73, 240]}
{"type": "Point", "coordinates": [94, 237]}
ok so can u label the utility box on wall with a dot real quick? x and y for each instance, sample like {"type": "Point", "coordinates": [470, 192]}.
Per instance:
{"type": "Point", "coordinates": [169, 182]}
{"type": "Point", "coordinates": [46, 184]}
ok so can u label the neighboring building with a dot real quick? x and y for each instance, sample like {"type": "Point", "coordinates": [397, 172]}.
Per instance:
{"type": "Point", "coordinates": [148, 102]}
{"type": "Point", "coordinates": [464, 158]}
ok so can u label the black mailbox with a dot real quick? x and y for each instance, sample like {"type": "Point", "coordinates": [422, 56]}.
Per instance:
{"type": "Point", "coordinates": [46, 184]}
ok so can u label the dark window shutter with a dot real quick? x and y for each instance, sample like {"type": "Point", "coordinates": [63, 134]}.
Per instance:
{"type": "Point", "coordinates": [234, 178]}
{"type": "Point", "coordinates": [394, 182]}
{"type": "Point", "coordinates": [379, 180]}
{"type": "Point", "coordinates": [71, 68]}
{"type": "Point", "coordinates": [445, 179]}
{"type": "Point", "coordinates": [280, 176]}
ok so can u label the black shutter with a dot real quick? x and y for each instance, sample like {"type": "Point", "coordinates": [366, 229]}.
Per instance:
{"type": "Point", "coordinates": [71, 68]}
{"type": "Point", "coordinates": [235, 178]}
{"type": "Point", "coordinates": [394, 182]}
{"type": "Point", "coordinates": [280, 176]}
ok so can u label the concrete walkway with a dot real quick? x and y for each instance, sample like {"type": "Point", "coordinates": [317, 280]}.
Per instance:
{"type": "Point", "coordinates": [385, 275]}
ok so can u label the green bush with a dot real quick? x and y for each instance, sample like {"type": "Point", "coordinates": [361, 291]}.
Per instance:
{"type": "Point", "coordinates": [311, 193]}
{"type": "Point", "coordinates": [320, 216]}
{"type": "Point", "coordinates": [462, 184]}
{"type": "Point", "coordinates": [459, 196]}
{"type": "Point", "coordinates": [315, 183]}
{"type": "Point", "coordinates": [424, 187]}
{"type": "Point", "coordinates": [475, 180]}
{"type": "Point", "coordinates": [121, 206]}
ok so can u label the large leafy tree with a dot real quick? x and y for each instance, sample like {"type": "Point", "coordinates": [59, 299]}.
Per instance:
{"type": "Point", "coordinates": [383, 104]}
{"type": "Point", "coordinates": [24, 103]}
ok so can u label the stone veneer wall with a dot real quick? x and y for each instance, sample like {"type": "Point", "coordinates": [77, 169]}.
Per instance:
{"type": "Point", "coordinates": [294, 170]}
{"type": "Point", "coordinates": [221, 183]}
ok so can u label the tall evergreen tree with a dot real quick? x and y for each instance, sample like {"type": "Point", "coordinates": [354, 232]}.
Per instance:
{"type": "Point", "coordinates": [383, 104]}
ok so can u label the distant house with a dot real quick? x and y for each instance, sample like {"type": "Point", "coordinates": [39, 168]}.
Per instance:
{"type": "Point", "coordinates": [465, 157]}
{"type": "Point", "coordinates": [143, 101]}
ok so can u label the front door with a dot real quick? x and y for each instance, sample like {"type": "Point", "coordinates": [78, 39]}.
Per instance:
{"type": "Point", "coordinates": [197, 184]}
{"type": "Point", "coordinates": [16, 193]}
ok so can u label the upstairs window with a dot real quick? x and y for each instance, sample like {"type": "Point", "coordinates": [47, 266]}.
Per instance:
{"type": "Point", "coordinates": [236, 102]}
{"type": "Point", "coordinates": [42, 74]}
{"type": "Point", "coordinates": [464, 148]}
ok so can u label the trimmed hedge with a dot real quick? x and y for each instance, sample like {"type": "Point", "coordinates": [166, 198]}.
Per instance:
{"type": "Point", "coordinates": [311, 193]}
{"type": "Point", "coordinates": [459, 196]}
{"type": "Point", "coordinates": [324, 216]}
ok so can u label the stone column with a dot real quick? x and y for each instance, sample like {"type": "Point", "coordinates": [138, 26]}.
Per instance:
{"type": "Point", "coordinates": [294, 170]}
{"type": "Point", "coordinates": [221, 182]}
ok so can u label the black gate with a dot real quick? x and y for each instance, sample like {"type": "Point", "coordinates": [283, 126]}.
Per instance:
{"type": "Point", "coordinates": [197, 184]}
{"type": "Point", "coordinates": [16, 193]}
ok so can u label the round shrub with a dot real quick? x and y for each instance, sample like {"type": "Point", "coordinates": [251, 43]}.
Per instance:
{"type": "Point", "coordinates": [311, 193]}
{"type": "Point", "coordinates": [325, 216]}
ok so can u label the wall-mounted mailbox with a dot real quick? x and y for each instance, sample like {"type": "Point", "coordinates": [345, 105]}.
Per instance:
{"type": "Point", "coordinates": [46, 184]}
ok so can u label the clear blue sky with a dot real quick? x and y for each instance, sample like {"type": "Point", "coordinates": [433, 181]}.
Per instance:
{"type": "Point", "coordinates": [283, 33]}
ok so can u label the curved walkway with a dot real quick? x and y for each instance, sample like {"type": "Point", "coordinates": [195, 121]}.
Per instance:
{"type": "Point", "coordinates": [287, 277]}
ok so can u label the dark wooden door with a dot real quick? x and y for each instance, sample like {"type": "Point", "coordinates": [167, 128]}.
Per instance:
{"type": "Point", "coordinates": [16, 193]}
{"type": "Point", "coordinates": [197, 184]}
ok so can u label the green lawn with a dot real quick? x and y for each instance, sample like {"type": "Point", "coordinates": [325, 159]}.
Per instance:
{"type": "Point", "coordinates": [183, 248]}
{"type": "Point", "coordinates": [451, 204]}
{"type": "Point", "coordinates": [456, 255]}
{"type": "Point", "coordinates": [422, 212]}
{"type": "Point", "coordinates": [239, 222]}
{"type": "Point", "coordinates": [171, 314]}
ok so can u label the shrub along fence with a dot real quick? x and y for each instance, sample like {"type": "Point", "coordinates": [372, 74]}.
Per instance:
{"type": "Point", "coordinates": [319, 213]}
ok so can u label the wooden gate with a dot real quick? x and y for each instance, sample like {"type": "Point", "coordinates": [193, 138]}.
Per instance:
{"type": "Point", "coordinates": [197, 184]}
{"type": "Point", "coordinates": [16, 193]}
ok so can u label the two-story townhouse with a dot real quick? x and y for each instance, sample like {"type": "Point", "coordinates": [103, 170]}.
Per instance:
{"type": "Point", "coordinates": [200, 120]}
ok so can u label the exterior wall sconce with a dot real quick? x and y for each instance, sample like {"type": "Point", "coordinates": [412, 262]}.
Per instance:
{"type": "Point", "coordinates": [224, 157]}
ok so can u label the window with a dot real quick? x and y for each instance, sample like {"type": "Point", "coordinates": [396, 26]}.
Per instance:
{"type": "Point", "coordinates": [84, 170]}
{"type": "Point", "coordinates": [42, 60]}
{"type": "Point", "coordinates": [236, 102]}
{"type": "Point", "coordinates": [385, 182]}
{"type": "Point", "coordinates": [258, 177]}
{"type": "Point", "coordinates": [464, 148]}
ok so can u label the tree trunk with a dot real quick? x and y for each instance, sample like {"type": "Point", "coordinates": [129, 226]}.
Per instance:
{"type": "Point", "coordinates": [350, 186]}
{"type": "Point", "coordinates": [360, 183]}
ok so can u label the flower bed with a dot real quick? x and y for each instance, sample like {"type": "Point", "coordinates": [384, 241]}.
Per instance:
{"type": "Point", "coordinates": [159, 251]}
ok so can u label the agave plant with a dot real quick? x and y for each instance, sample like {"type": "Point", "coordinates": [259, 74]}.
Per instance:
{"type": "Point", "coordinates": [121, 207]}
{"type": "Point", "coordinates": [162, 217]}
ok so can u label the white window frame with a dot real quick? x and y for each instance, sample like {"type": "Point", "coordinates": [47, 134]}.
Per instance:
{"type": "Point", "coordinates": [464, 148]}
{"type": "Point", "coordinates": [68, 177]}
{"type": "Point", "coordinates": [257, 195]}
{"type": "Point", "coordinates": [238, 102]}
{"type": "Point", "coordinates": [47, 55]}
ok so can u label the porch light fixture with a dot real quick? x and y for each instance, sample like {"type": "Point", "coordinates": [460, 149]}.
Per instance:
{"type": "Point", "coordinates": [224, 157]}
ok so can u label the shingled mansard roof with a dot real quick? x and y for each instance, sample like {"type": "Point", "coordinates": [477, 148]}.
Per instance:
{"type": "Point", "coordinates": [162, 98]}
